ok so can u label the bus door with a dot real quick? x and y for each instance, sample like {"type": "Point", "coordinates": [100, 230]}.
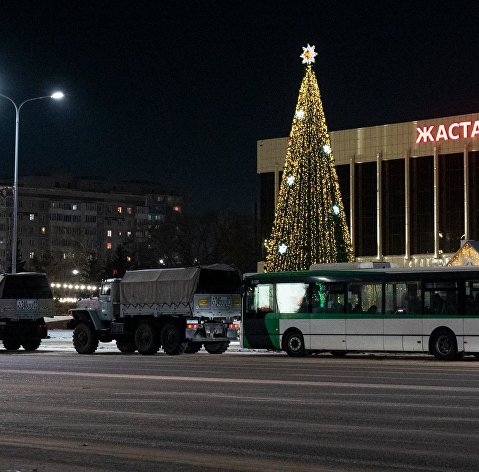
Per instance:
{"type": "Point", "coordinates": [258, 331]}
{"type": "Point", "coordinates": [364, 321]}
{"type": "Point", "coordinates": [328, 324]}
{"type": "Point", "coordinates": [403, 323]}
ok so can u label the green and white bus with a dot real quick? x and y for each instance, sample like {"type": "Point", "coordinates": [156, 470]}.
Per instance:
{"type": "Point", "coordinates": [341, 308]}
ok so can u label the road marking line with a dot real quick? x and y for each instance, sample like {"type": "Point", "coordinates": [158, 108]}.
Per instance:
{"type": "Point", "coordinates": [303, 383]}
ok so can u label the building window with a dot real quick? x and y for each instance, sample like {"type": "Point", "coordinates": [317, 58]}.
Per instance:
{"type": "Point", "coordinates": [128, 233]}
{"type": "Point", "coordinates": [74, 206]}
{"type": "Point", "coordinates": [108, 245]}
{"type": "Point", "coordinates": [108, 233]}
{"type": "Point", "coordinates": [129, 210]}
{"type": "Point", "coordinates": [32, 216]}
{"type": "Point", "coordinates": [32, 254]}
{"type": "Point", "coordinates": [43, 230]}
{"type": "Point", "coordinates": [119, 210]}
{"type": "Point", "coordinates": [177, 209]}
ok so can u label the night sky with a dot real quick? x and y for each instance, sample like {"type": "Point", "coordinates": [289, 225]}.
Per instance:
{"type": "Point", "coordinates": [178, 92]}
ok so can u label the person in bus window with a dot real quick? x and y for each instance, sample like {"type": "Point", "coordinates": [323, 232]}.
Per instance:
{"type": "Point", "coordinates": [470, 305]}
{"type": "Point", "coordinates": [438, 305]}
{"type": "Point", "coordinates": [357, 308]}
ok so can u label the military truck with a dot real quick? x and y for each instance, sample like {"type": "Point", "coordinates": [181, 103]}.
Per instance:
{"type": "Point", "coordinates": [25, 301]}
{"type": "Point", "coordinates": [178, 309]}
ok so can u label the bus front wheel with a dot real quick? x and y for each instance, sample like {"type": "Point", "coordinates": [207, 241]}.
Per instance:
{"type": "Point", "coordinates": [444, 346]}
{"type": "Point", "coordinates": [293, 344]}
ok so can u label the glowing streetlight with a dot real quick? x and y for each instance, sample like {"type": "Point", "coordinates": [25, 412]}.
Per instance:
{"type": "Point", "coordinates": [55, 96]}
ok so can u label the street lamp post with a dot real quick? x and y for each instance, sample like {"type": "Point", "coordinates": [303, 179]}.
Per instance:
{"type": "Point", "coordinates": [56, 96]}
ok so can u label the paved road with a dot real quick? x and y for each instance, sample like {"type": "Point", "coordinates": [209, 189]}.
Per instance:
{"type": "Point", "coordinates": [112, 412]}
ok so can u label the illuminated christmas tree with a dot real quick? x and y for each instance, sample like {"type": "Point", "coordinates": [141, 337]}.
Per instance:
{"type": "Point", "coordinates": [310, 224]}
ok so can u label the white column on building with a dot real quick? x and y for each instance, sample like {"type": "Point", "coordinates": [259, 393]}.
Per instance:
{"type": "Point", "coordinates": [407, 209]}
{"type": "Point", "coordinates": [351, 199]}
{"type": "Point", "coordinates": [436, 202]}
{"type": "Point", "coordinates": [379, 174]}
{"type": "Point", "coordinates": [466, 194]}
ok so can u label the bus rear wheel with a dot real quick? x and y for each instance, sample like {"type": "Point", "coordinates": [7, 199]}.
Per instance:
{"type": "Point", "coordinates": [444, 346]}
{"type": "Point", "coordinates": [293, 344]}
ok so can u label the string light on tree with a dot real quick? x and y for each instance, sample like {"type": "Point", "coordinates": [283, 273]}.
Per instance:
{"type": "Point", "coordinates": [299, 115]}
{"type": "Point", "coordinates": [310, 223]}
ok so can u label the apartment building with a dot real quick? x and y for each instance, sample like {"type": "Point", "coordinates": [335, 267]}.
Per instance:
{"type": "Point", "coordinates": [65, 215]}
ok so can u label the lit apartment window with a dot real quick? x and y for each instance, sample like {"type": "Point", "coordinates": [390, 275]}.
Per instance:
{"type": "Point", "coordinates": [129, 210]}
{"type": "Point", "coordinates": [74, 207]}
{"type": "Point", "coordinates": [43, 230]}
{"type": "Point", "coordinates": [120, 210]}
{"type": "Point", "coordinates": [128, 233]}
{"type": "Point", "coordinates": [32, 254]}
{"type": "Point", "coordinates": [109, 233]}
{"type": "Point", "coordinates": [32, 216]}
{"type": "Point", "coordinates": [128, 258]}
{"type": "Point", "coordinates": [108, 245]}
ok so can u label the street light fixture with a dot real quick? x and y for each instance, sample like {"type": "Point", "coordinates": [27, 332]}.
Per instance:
{"type": "Point", "coordinates": [55, 96]}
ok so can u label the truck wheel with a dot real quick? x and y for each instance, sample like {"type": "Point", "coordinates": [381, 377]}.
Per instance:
{"type": "Point", "coordinates": [126, 345]}
{"type": "Point", "coordinates": [192, 348]}
{"type": "Point", "coordinates": [85, 339]}
{"type": "Point", "coordinates": [11, 344]}
{"type": "Point", "coordinates": [146, 338]}
{"type": "Point", "coordinates": [216, 348]}
{"type": "Point", "coordinates": [172, 340]}
{"type": "Point", "coordinates": [31, 344]}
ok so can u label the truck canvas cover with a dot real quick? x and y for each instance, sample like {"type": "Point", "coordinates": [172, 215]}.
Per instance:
{"type": "Point", "coordinates": [160, 286]}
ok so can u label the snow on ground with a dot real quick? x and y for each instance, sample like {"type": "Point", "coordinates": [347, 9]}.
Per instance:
{"type": "Point", "coordinates": [61, 340]}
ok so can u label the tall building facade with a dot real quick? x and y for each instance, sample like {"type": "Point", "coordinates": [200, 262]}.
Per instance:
{"type": "Point", "coordinates": [410, 190]}
{"type": "Point", "coordinates": [66, 215]}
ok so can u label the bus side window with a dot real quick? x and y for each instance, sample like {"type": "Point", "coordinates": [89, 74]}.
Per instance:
{"type": "Point", "coordinates": [259, 299]}
{"type": "Point", "coordinates": [327, 298]}
{"type": "Point", "coordinates": [403, 297]}
{"type": "Point", "coordinates": [441, 298]}
{"type": "Point", "coordinates": [292, 297]}
{"type": "Point", "coordinates": [366, 297]}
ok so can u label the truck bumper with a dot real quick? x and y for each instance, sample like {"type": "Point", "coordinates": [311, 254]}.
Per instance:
{"type": "Point", "coordinates": [206, 332]}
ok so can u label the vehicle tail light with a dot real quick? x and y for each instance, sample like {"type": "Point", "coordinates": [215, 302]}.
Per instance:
{"type": "Point", "coordinates": [191, 326]}
{"type": "Point", "coordinates": [233, 326]}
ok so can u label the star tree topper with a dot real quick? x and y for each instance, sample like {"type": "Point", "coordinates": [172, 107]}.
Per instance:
{"type": "Point", "coordinates": [308, 54]}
